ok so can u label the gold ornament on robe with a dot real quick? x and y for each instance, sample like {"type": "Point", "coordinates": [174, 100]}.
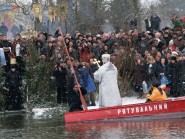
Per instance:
{"type": "Point", "coordinates": [37, 11]}
{"type": "Point", "coordinates": [52, 13]}
{"type": "Point", "coordinates": [28, 33]}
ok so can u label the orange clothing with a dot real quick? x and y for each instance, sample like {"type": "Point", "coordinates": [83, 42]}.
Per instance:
{"type": "Point", "coordinates": [156, 95]}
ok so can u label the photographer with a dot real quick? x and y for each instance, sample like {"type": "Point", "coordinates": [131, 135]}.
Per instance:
{"type": "Point", "coordinates": [60, 75]}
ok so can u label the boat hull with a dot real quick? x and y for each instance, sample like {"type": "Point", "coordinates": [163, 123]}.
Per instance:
{"type": "Point", "coordinates": [152, 110]}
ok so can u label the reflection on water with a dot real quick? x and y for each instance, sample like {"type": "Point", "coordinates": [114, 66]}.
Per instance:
{"type": "Point", "coordinates": [24, 126]}
{"type": "Point", "coordinates": [119, 130]}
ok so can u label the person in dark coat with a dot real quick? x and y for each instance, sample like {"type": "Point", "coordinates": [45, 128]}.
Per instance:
{"type": "Point", "coordinates": [96, 50]}
{"type": "Point", "coordinates": [21, 65]}
{"type": "Point", "coordinates": [50, 51]}
{"type": "Point", "coordinates": [174, 77]}
{"type": "Point", "coordinates": [58, 32]}
{"type": "Point", "coordinates": [179, 42]}
{"type": "Point", "coordinates": [93, 67]}
{"type": "Point", "coordinates": [106, 50]}
{"type": "Point", "coordinates": [7, 46]}
{"type": "Point", "coordinates": [156, 22]}
{"type": "Point", "coordinates": [150, 70]}
{"type": "Point", "coordinates": [60, 75]}
{"type": "Point", "coordinates": [167, 37]}
{"type": "Point", "coordinates": [73, 95]}
{"type": "Point", "coordinates": [150, 40]}
{"type": "Point", "coordinates": [40, 47]}
{"type": "Point", "coordinates": [13, 84]}
{"type": "Point", "coordinates": [148, 25]}
{"type": "Point", "coordinates": [138, 76]}
{"type": "Point", "coordinates": [163, 68]}
{"type": "Point", "coordinates": [133, 23]}
{"type": "Point", "coordinates": [181, 67]}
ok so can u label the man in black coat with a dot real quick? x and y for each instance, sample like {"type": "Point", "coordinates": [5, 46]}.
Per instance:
{"type": "Point", "coordinates": [148, 25]}
{"type": "Point", "coordinates": [13, 84]}
{"type": "Point", "coordinates": [167, 37]}
{"type": "Point", "coordinates": [74, 101]}
{"type": "Point", "coordinates": [50, 51]}
{"type": "Point", "coordinates": [181, 67]}
{"type": "Point", "coordinates": [156, 22]}
{"type": "Point", "coordinates": [174, 77]}
{"type": "Point", "coordinates": [60, 75]}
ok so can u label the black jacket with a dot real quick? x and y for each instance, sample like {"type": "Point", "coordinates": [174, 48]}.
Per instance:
{"type": "Point", "coordinates": [60, 74]}
{"type": "Point", "coordinates": [162, 69]}
{"type": "Point", "coordinates": [13, 79]}
{"type": "Point", "coordinates": [181, 67]}
{"type": "Point", "coordinates": [174, 74]}
{"type": "Point", "coordinates": [92, 69]}
{"type": "Point", "coordinates": [74, 101]}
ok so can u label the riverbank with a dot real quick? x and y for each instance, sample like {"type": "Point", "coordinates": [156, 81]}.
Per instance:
{"type": "Point", "coordinates": [48, 112]}
{"type": "Point", "coordinates": [60, 109]}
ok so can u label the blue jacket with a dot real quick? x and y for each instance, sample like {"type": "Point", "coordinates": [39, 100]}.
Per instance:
{"type": "Point", "coordinates": [87, 81]}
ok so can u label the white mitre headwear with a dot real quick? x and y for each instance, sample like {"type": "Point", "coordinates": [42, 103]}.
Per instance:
{"type": "Point", "coordinates": [105, 58]}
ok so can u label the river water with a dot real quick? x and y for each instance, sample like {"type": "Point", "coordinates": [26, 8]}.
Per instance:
{"type": "Point", "coordinates": [27, 127]}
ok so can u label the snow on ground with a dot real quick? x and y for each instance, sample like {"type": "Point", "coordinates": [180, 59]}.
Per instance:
{"type": "Point", "coordinates": [125, 101]}
{"type": "Point", "coordinates": [39, 112]}
{"type": "Point", "coordinates": [132, 100]}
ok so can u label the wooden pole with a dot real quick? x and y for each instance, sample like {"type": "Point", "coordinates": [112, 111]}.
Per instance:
{"type": "Point", "coordinates": [76, 80]}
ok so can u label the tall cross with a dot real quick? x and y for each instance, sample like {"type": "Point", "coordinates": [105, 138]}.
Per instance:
{"type": "Point", "coordinates": [97, 62]}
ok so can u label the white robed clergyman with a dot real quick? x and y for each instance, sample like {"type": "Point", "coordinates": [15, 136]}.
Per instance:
{"type": "Point", "coordinates": [106, 76]}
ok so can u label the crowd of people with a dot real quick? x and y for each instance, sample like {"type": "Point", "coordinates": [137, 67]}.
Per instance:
{"type": "Point", "coordinates": [158, 54]}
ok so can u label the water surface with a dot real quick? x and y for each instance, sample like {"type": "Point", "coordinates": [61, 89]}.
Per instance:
{"type": "Point", "coordinates": [26, 127]}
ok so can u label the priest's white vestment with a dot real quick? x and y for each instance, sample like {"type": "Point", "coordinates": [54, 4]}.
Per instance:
{"type": "Point", "coordinates": [109, 94]}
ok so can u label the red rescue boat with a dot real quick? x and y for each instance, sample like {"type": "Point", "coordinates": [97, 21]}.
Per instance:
{"type": "Point", "coordinates": [172, 108]}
